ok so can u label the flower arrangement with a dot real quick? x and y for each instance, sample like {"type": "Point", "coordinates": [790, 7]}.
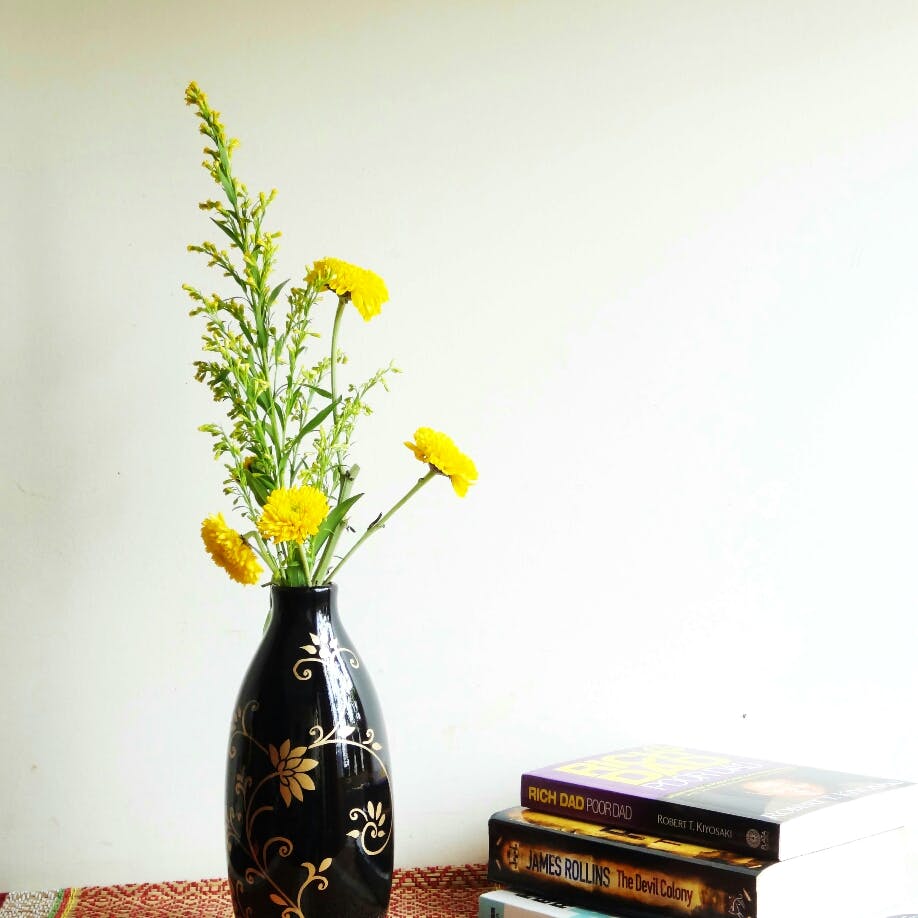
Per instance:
{"type": "Point", "coordinates": [291, 425]}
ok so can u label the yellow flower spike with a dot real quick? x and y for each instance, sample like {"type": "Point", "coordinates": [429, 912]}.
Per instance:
{"type": "Point", "coordinates": [363, 288]}
{"type": "Point", "coordinates": [229, 550]}
{"type": "Point", "coordinates": [293, 514]}
{"type": "Point", "coordinates": [193, 94]}
{"type": "Point", "coordinates": [440, 453]}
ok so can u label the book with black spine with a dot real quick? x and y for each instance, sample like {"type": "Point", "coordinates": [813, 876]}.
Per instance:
{"type": "Point", "coordinates": [613, 870]}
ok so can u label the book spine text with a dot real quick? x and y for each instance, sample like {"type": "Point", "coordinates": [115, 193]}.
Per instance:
{"type": "Point", "coordinates": [651, 817]}
{"type": "Point", "coordinates": [592, 875]}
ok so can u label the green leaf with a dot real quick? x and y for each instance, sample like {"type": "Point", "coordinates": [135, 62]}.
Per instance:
{"type": "Point", "coordinates": [264, 401]}
{"type": "Point", "coordinates": [331, 522]}
{"type": "Point", "coordinates": [314, 422]}
{"type": "Point", "coordinates": [316, 419]}
{"type": "Point", "coordinates": [319, 391]}
{"type": "Point", "coordinates": [226, 229]}
{"type": "Point", "coordinates": [272, 296]}
{"type": "Point", "coordinates": [227, 184]}
{"type": "Point", "coordinates": [295, 576]}
{"type": "Point", "coordinates": [260, 486]}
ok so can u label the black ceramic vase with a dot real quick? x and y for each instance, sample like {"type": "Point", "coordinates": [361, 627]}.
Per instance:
{"type": "Point", "coordinates": [308, 801]}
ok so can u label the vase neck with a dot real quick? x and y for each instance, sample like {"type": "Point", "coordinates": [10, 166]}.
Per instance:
{"type": "Point", "coordinates": [303, 605]}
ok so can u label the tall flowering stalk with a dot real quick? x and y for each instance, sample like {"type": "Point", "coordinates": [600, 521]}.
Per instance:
{"type": "Point", "coordinates": [290, 423]}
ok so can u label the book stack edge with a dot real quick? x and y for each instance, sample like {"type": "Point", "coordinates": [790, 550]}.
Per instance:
{"type": "Point", "coordinates": [668, 831]}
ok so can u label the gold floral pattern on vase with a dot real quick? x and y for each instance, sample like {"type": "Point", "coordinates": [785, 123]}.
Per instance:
{"type": "Point", "coordinates": [340, 736]}
{"type": "Point", "coordinates": [374, 820]}
{"type": "Point", "coordinates": [323, 650]}
{"type": "Point", "coordinates": [291, 768]}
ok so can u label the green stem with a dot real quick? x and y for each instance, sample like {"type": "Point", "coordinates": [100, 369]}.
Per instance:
{"type": "Point", "coordinates": [379, 523]}
{"type": "Point", "coordinates": [263, 551]}
{"type": "Point", "coordinates": [342, 302]}
{"type": "Point", "coordinates": [344, 492]}
{"type": "Point", "coordinates": [305, 562]}
{"type": "Point", "coordinates": [345, 480]}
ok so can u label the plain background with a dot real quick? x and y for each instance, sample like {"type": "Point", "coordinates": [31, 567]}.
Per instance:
{"type": "Point", "coordinates": [651, 264]}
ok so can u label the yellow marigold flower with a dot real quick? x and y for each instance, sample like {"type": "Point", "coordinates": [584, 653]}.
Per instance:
{"type": "Point", "coordinates": [439, 452]}
{"type": "Point", "coordinates": [229, 550]}
{"type": "Point", "coordinates": [293, 514]}
{"type": "Point", "coordinates": [366, 290]}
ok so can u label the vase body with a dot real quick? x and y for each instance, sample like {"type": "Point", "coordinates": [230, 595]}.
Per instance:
{"type": "Point", "coordinates": [308, 799]}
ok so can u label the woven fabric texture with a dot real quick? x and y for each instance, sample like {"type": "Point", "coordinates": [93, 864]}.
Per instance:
{"type": "Point", "coordinates": [417, 892]}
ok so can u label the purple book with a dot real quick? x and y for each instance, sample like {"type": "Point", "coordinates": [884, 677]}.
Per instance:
{"type": "Point", "coordinates": [725, 801]}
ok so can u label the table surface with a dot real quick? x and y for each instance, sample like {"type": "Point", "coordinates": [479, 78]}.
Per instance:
{"type": "Point", "coordinates": [417, 892]}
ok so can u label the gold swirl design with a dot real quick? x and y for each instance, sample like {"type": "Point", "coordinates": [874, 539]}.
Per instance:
{"type": "Point", "coordinates": [313, 875]}
{"type": "Point", "coordinates": [290, 770]}
{"type": "Point", "coordinates": [291, 908]}
{"type": "Point", "coordinates": [235, 893]}
{"type": "Point", "coordinates": [374, 818]}
{"type": "Point", "coordinates": [368, 744]}
{"type": "Point", "coordinates": [239, 726]}
{"type": "Point", "coordinates": [240, 823]}
{"type": "Point", "coordinates": [284, 846]}
{"type": "Point", "coordinates": [323, 652]}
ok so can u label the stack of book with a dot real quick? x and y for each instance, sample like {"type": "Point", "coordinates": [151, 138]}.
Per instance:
{"type": "Point", "coordinates": [665, 830]}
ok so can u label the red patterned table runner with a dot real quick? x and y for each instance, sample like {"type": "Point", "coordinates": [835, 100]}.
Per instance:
{"type": "Point", "coordinates": [418, 892]}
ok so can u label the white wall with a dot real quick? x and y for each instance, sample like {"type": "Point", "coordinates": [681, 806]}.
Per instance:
{"type": "Point", "coordinates": [651, 264]}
